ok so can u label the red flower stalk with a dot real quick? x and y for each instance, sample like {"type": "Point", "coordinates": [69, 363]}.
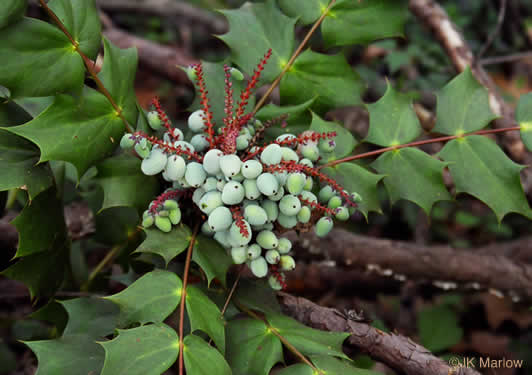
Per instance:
{"type": "Point", "coordinates": [239, 220]}
{"type": "Point", "coordinates": [170, 194]}
{"type": "Point", "coordinates": [204, 100]}
{"type": "Point", "coordinates": [317, 206]}
{"type": "Point", "coordinates": [168, 148]}
{"type": "Point", "coordinates": [228, 101]}
{"type": "Point", "coordinates": [274, 270]}
{"type": "Point", "coordinates": [162, 115]}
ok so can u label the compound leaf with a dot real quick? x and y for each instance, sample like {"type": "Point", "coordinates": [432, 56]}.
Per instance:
{"type": "Point", "coordinates": [345, 142]}
{"type": "Point", "coordinates": [145, 350]}
{"type": "Point", "coordinates": [255, 28]}
{"type": "Point", "coordinates": [413, 175]}
{"type": "Point", "coordinates": [205, 316]}
{"type": "Point", "coordinates": [150, 299]}
{"type": "Point", "coordinates": [463, 106]}
{"type": "Point", "coordinates": [480, 168]}
{"type": "Point", "coordinates": [523, 115]}
{"type": "Point", "coordinates": [94, 317]}
{"type": "Point", "coordinates": [392, 120]}
{"type": "Point", "coordinates": [168, 245]}
{"type": "Point", "coordinates": [202, 359]}
{"type": "Point", "coordinates": [251, 347]}
{"type": "Point", "coordinates": [212, 258]}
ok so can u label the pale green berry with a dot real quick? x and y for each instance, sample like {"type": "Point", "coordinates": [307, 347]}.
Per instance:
{"type": "Point", "coordinates": [268, 184]}
{"type": "Point", "coordinates": [306, 162]}
{"type": "Point", "coordinates": [251, 130]}
{"type": "Point", "coordinates": [191, 73]}
{"type": "Point", "coordinates": [295, 183]}
{"type": "Point", "coordinates": [281, 177]}
{"type": "Point", "coordinates": [356, 197]}
{"type": "Point", "coordinates": [289, 155]}
{"type": "Point", "coordinates": [239, 254]}
{"type": "Point", "coordinates": [334, 202]}
{"type": "Point", "coordinates": [206, 229]}
{"type": "Point", "coordinates": [220, 185]}
{"type": "Point", "coordinates": [242, 142]}
{"type": "Point", "coordinates": [195, 175]}
{"type": "Point", "coordinates": [236, 74]}
{"type": "Point", "coordinates": [230, 165]}
{"type": "Point", "coordinates": [148, 221]}
{"type": "Point", "coordinates": [177, 134]}
{"type": "Point", "coordinates": [272, 256]}
{"type": "Point", "coordinates": [325, 194]}
{"type": "Point", "coordinates": [154, 120]}
{"type": "Point", "coordinates": [327, 145]}
{"type": "Point", "coordinates": [211, 161]}
{"type": "Point", "coordinates": [267, 239]}
{"type": "Point", "coordinates": [237, 177]}
{"type": "Point", "coordinates": [274, 283]}
{"type": "Point", "coordinates": [323, 226]}
{"type": "Point", "coordinates": [309, 184]}
{"type": "Point", "coordinates": [284, 137]}
{"type": "Point", "coordinates": [184, 146]}
{"type": "Point", "coordinates": [342, 213]}
{"type": "Point", "coordinates": [210, 184]}
{"type": "Point", "coordinates": [196, 121]}
{"type": "Point", "coordinates": [284, 245]}
{"type": "Point", "coordinates": [127, 141]}
{"type": "Point", "coordinates": [175, 168]}
{"type": "Point", "coordinates": [163, 223]}
{"type": "Point", "coordinates": [303, 216]}
{"type": "Point", "coordinates": [310, 152]}
{"type": "Point", "coordinates": [170, 204]}
{"type": "Point", "coordinates": [237, 237]}
{"type": "Point", "coordinates": [289, 205]}
{"type": "Point", "coordinates": [309, 196]}
{"type": "Point", "coordinates": [271, 154]}
{"type": "Point", "coordinates": [277, 196]}
{"type": "Point", "coordinates": [220, 219]}
{"type": "Point", "coordinates": [255, 215]}
{"type": "Point", "coordinates": [287, 263]}
{"type": "Point", "coordinates": [222, 238]}
{"type": "Point", "coordinates": [154, 163]}
{"type": "Point", "coordinates": [286, 221]}
{"type": "Point", "coordinates": [233, 193]}
{"type": "Point", "coordinates": [163, 213]}
{"type": "Point", "coordinates": [197, 195]}
{"type": "Point", "coordinates": [200, 142]}
{"type": "Point", "coordinates": [259, 267]}
{"type": "Point", "coordinates": [210, 201]}
{"type": "Point", "coordinates": [253, 251]}
{"type": "Point", "coordinates": [251, 188]}
{"type": "Point", "coordinates": [175, 216]}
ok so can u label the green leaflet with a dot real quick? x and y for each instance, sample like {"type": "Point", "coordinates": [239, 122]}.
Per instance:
{"type": "Point", "coordinates": [145, 350]}
{"type": "Point", "coordinates": [439, 328]}
{"type": "Point", "coordinates": [150, 299]}
{"type": "Point", "coordinates": [257, 295]}
{"type": "Point", "coordinates": [392, 120]}
{"type": "Point", "coordinates": [329, 365]}
{"type": "Point", "coordinates": [41, 224]}
{"type": "Point", "coordinates": [413, 175]}
{"type": "Point", "coordinates": [244, 338]}
{"type": "Point", "coordinates": [523, 115]}
{"type": "Point", "coordinates": [124, 184]}
{"type": "Point", "coordinates": [94, 317]}
{"type": "Point", "coordinates": [202, 359]}
{"type": "Point", "coordinates": [11, 11]}
{"type": "Point", "coordinates": [480, 168]}
{"type": "Point", "coordinates": [328, 78]}
{"type": "Point", "coordinates": [204, 315]}
{"type": "Point", "coordinates": [255, 28]}
{"type": "Point", "coordinates": [355, 178]}
{"type": "Point", "coordinates": [307, 11]}
{"type": "Point", "coordinates": [463, 106]}
{"type": "Point", "coordinates": [168, 245]}
{"type": "Point", "coordinates": [307, 340]}
{"type": "Point", "coordinates": [212, 258]}
{"type": "Point", "coordinates": [345, 142]}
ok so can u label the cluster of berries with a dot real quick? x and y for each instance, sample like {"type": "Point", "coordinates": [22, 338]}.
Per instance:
{"type": "Point", "coordinates": [245, 192]}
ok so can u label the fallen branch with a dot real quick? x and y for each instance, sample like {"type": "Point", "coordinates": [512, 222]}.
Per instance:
{"type": "Point", "coordinates": [396, 351]}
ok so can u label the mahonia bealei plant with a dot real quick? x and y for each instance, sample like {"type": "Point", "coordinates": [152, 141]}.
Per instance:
{"type": "Point", "coordinates": [248, 193]}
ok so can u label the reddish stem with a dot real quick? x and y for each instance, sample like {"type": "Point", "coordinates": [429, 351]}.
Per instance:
{"type": "Point", "coordinates": [170, 149]}
{"type": "Point", "coordinates": [317, 206]}
{"type": "Point", "coordinates": [204, 100]}
{"type": "Point", "coordinates": [162, 115]}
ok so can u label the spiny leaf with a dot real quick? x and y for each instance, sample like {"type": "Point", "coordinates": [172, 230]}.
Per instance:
{"type": "Point", "coordinates": [41, 224]}
{"type": "Point", "coordinates": [523, 115]}
{"type": "Point", "coordinates": [297, 369]}
{"type": "Point", "coordinates": [251, 347]}
{"type": "Point", "coordinates": [41, 66]}
{"type": "Point", "coordinates": [439, 328]}
{"type": "Point", "coordinates": [212, 258]}
{"type": "Point", "coordinates": [463, 106]}
{"type": "Point", "coordinates": [366, 21]}
{"type": "Point", "coordinates": [345, 142]}
{"type": "Point", "coordinates": [307, 11]}
{"type": "Point", "coordinates": [167, 245]}
{"type": "Point", "coordinates": [11, 11]}
{"type": "Point", "coordinates": [73, 355]}
{"type": "Point", "coordinates": [149, 299]}
{"type": "Point", "coordinates": [307, 340]}
{"type": "Point", "coordinates": [94, 317]}
{"type": "Point", "coordinates": [355, 178]}
{"type": "Point", "coordinates": [149, 350]}
{"type": "Point", "coordinates": [18, 159]}
{"type": "Point", "coordinates": [413, 175]}
{"type": "Point", "coordinates": [78, 131]}
{"type": "Point", "coordinates": [124, 184]}
{"type": "Point", "coordinates": [392, 120]}
{"type": "Point", "coordinates": [205, 316]}
{"type": "Point", "coordinates": [80, 18]}
{"type": "Point", "coordinates": [480, 168]}
{"type": "Point", "coordinates": [257, 295]}
{"type": "Point", "coordinates": [333, 366]}
{"type": "Point", "coordinates": [202, 359]}
{"type": "Point", "coordinates": [328, 77]}
{"type": "Point", "coordinates": [255, 28]}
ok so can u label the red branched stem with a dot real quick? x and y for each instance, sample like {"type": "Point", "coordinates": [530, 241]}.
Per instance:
{"type": "Point", "coordinates": [317, 206]}
{"type": "Point", "coordinates": [204, 101]}
{"type": "Point", "coordinates": [168, 148]}
{"type": "Point", "coordinates": [239, 220]}
{"type": "Point", "coordinates": [228, 107]}
{"type": "Point", "coordinates": [274, 270]}
{"type": "Point", "coordinates": [170, 194]}
{"type": "Point", "coordinates": [164, 118]}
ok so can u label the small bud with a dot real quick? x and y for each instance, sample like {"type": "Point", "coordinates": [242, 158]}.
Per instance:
{"type": "Point", "coordinates": [287, 263]}
{"type": "Point", "coordinates": [154, 120]}
{"type": "Point", "coordinates": [236, 74]}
